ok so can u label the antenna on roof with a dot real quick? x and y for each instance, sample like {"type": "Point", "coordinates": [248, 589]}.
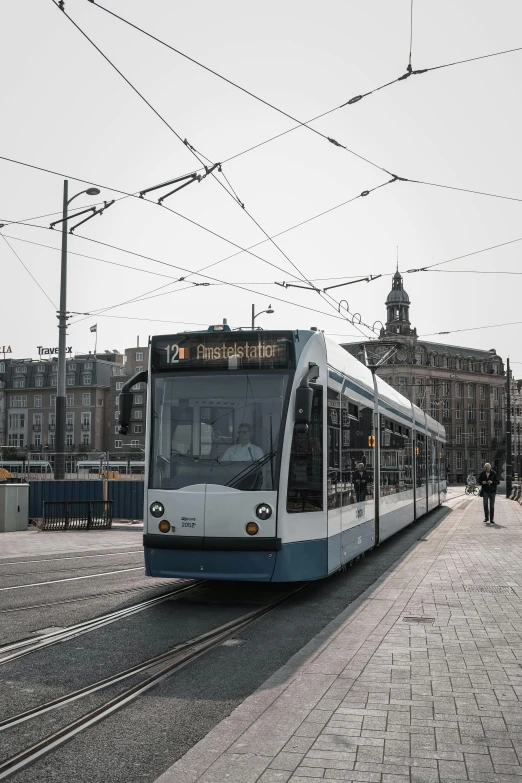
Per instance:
{"type": "Point", "coordinates": [397, 258]}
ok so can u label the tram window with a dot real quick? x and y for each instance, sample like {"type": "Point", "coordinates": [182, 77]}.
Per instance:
{"type": "Point", "coordinates": [334, 484]}
{"type": "Point", "coordinates": [396, 458]}
{"type": "Point", "coordinates": [305, 472]}
{"type": "Point", "coordinates": [217, 429]}
{"type": "Point", "coordinates": [356, 448]}
{"type": "Point", "coordinates": [432, 461]}
{"type": "Point", "coordinates": [420, 458]}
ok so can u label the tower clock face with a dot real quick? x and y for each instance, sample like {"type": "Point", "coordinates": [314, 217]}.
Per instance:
{"type": "Point", "coordinates": [402, 355]}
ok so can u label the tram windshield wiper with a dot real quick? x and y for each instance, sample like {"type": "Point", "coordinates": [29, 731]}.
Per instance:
{"type": "Point", "coordinates": [258, 463]}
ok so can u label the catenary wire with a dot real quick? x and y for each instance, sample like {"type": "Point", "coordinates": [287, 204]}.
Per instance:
{"type": "Point", "coordinates": [233, 84]}
{"type": "Point", "coordinates": [472, 329]}
{"type": "Point", "coordinates": [28, 272]}
{"type": "Point", "coordinates": [466, 255]}
{"type": "Point", "coordinates": [326, 297]}
{"type": "Point", "coordinates": [411, 35]}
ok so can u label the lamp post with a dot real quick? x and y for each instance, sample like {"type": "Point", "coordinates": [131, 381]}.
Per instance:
{"type": "Point", "coordinates": [255, 315]}
{"type": "Point", "coordinates": [59, 444]}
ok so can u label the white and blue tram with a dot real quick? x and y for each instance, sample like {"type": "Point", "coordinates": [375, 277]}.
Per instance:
{"type": "Point", "coordinates": [253, 443]}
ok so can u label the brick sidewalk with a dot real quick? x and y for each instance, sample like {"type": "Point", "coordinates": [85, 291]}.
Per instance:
{"type": "Point", "coordinates": [418, 681]}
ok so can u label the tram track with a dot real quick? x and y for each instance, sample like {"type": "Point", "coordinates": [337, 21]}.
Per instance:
{"type": "Point", "coordinates": [158, 667]}
{"type": "Point", "coordinates": [14, 650]}
{"type": "Point", "coordinates": [158, 583]}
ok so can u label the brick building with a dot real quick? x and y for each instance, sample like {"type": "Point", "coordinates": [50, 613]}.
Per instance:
{"type": "Point", "coordinates": [136, 359]}
{"type": "Point", "coordinates": [28, 394]}
{"type": "Point", "coordinates": [463, 388]}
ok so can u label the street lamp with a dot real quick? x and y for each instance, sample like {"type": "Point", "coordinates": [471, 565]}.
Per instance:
{"type": "Point", "coordinates": [59, 460]}
{"type": "Point", "coordinates": [255, 315]}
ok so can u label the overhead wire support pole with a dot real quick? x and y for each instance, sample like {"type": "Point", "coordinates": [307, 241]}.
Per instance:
{"type": "Point", "coordinates": [191, 177]}
{"type": "Point", "coordinates": [59, 467]}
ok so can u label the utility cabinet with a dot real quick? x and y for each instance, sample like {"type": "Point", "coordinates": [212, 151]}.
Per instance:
{"type": "Point", "coordinates": [14, 507]}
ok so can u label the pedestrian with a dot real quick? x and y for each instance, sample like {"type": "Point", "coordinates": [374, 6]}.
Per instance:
{"type": "Point", "coordinates": [488, 489]}
{"type": "Point", "coordinates": [360, 479]}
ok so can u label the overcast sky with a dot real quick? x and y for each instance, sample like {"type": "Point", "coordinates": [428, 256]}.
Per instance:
{"type": "Point", "coordinates": [65, 109]}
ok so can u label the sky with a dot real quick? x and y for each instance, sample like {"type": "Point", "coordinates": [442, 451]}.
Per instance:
{"type": "Point", "coordinates": [65, 109]}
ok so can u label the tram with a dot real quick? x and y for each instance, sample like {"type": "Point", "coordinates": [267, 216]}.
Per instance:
{"type": "Point", "coordinates": [275, 456]}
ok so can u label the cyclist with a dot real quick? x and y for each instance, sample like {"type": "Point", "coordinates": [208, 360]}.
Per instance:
{"type": "Point", "coordinates": [471, 482]}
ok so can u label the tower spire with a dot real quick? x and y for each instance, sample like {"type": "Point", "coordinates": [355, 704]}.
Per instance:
{"type": "Point", "coordinates": [397, 259]}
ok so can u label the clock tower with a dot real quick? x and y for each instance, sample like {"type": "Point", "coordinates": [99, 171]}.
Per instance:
{"type": "Point", "coordinates": [398, 310]}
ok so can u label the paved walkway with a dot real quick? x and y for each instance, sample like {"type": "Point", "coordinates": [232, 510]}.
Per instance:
{"type": "Point", "coordinates": [33, 542]}
{"type": "Point", "coordinates": [418, 681]}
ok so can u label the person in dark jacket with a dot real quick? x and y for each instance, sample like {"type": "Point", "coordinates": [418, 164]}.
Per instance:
{"type": "Point", "coordinates": [488, 482]}
{"type": "Point", "coordinates": [360, 479]}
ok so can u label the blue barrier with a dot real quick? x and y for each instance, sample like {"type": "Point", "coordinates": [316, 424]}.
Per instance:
{"type": "Point", "coordinates": [126, 496]}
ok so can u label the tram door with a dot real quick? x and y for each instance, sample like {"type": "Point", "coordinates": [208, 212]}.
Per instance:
{"type": "Point", "coordinates": [334, 479]}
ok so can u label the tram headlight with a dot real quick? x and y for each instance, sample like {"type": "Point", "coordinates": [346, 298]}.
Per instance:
{"type": "Point", "coordinates": [263, 511]}
{"type": "Point", "coordinates": [164, 526]}
{"type": "Point", "coordinates": [252, 528]}
{"type": "Point", "coordinates": [157, 509]}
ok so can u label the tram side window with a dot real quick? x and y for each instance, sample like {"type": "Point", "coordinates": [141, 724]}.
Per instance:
{"type": "Point", "coordinates": [432, 460]}
{"type": "Point", "coordinates": [333, 473]}
{"type": "Point", "coordinates": [357, 446]}
{"type": "Point", "coordinates": [420, 457]}
{"type": "Point", "coordinates": [396, 458]}
{"type": "Point", "coordinates": [442, 461]}
{"type": "Point", "coordinates": [305, 473]}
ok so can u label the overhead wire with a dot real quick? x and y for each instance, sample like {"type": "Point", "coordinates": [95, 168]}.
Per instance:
{"type": "Point", "coordinates": [327, 298]}
{"type": "Point", "coordinates": [28, 271]}
{"type": "Point", "coordinates": [472, 329]}
{"type": "Point", "coordinates": [355, 99]}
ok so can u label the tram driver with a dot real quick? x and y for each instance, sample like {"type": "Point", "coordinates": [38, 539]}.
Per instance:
{"type": "Point", "coordinates": [244, 450]}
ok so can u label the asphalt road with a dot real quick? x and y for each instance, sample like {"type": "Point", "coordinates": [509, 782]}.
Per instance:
{"type": "Point", "coordinates": [140, 741]}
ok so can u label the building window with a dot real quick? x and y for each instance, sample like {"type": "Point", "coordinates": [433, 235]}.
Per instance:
{"type": "Point", "coordinates": [117, 415]}
{"type": "Point", "coordinates": [2, 367]}
{"type": "Point", "coordinates": [54, 380]}
{"type": "Point", "coordinates": [134, 443]}
{"type": "Point", "coordinates": [69, 439]}
{"type": "Point", "coordinates": [472, 366]}
{"type": "Point", "coordinates": [53, 400]}
{"type": "Point", "coordinates": [138, 414]}
{"type": "Point", "coordinates": [51, 440]}
{"type": "Point", "coordinates": [88, 365]}
{"type": "Point", "coordinates": [52, 419]}
{"type": "Point", "coordinates": [86, 420]}
{"type": "Point", "coordinates": [86, 398]}
{"type": "Point", "coordinates": [139, 369]}
{"type": "Point", "coordinates": [37, 439]}
{"type": "Point", "coordinates": [137, 387]}
{"type": "Point", "coordinates": [119, 385]}
{"type": "Point", "coordinates": [37, 419]}
{"type": "Point", "coordinates": [19, 383]}
{"type": "Point", "coordinates": [471, 437]}
{"type": "Point", "coordinates": [70, 381]}
{"type": "Point", "coordinates": [139, 356]}
{"type": "Point", "coordinates": [471, 411]}
{"type": "Point", "coordinates": [39, 381]}
{"type": "Point", "coordinates": [87, 380]}
{"type": "Point", "coordinates": [495, 394]}
{"type": "Point", "coordinates": [496, 411]}
{"type": "Point", "coordinates": [21, 369]}
{"type": "Point", "coordinates": [482, 436]}
{"type": "Point", "coordinates": [459, 460]}
{"type": "Point", "coordinates": [137, 428]}
{"type": "Point", "coordinates": [86, 438]}
{"type": "Point", "coordinates": [470, 390]}
{"type": "Point", "coordinates": [71, 366]}
{"type": "Point", "coordinates": [458, 435]}
{"type": "Point", "coordinates": [18, 401]}
{"type": "Point", "coordinates": [69, 420]}
{"type": "Point", "coordinates": [458, 391]}
{"type": "Point", "coordinates": [482, 413]}
{"type": "Point", "coordinates": [37, 400]}
{"type": "Point", "coordinates": [70, 400]}
{"type": "Point", "coordinates": [446, 413]}
{"type": "Point", "coordinates": [138, 399]}
{"type": "Point", "coordinates": [118, 444]}
{"type": "Point", "coordinates": [481, 392]}
{"type": "Point", "coordinates": [16, 421]}
{"type": "Point", "coordinates": [497, 433]}
{"type": "Point", "coordinates": [402, 384]}
{"type": "Point", "coordinates": [458, 410]}
{"type": "Point", "coordinates": [483, 457]}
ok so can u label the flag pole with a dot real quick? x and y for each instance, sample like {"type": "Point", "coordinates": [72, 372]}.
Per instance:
{"type": "Point", "coordinates": [96, 341]}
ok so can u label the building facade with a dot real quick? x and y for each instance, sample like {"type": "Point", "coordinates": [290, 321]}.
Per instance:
{"type": "Point", "coordinates": [28, 401]}
{"type": "Point", "coordinates": [463, 388]}
{"type": "Point", "coordinates": [136, 360]}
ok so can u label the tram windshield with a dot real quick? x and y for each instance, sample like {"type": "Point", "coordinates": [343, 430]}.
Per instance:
{"type": "Point", "coordinates": [217, 429]}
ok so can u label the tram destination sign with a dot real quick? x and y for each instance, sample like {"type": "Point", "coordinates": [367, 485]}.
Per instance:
{"type": "Point", "coordinates": [223, 350]}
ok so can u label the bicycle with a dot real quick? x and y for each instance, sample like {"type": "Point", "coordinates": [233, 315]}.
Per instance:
{"type": "Point", "coordinates": [472, 489]}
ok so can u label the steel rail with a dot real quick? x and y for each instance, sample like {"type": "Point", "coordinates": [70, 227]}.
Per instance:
{"type": "Point", "coordinates": [25, 646]}
{"type": "Point", "coordinates": [168, 662]}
